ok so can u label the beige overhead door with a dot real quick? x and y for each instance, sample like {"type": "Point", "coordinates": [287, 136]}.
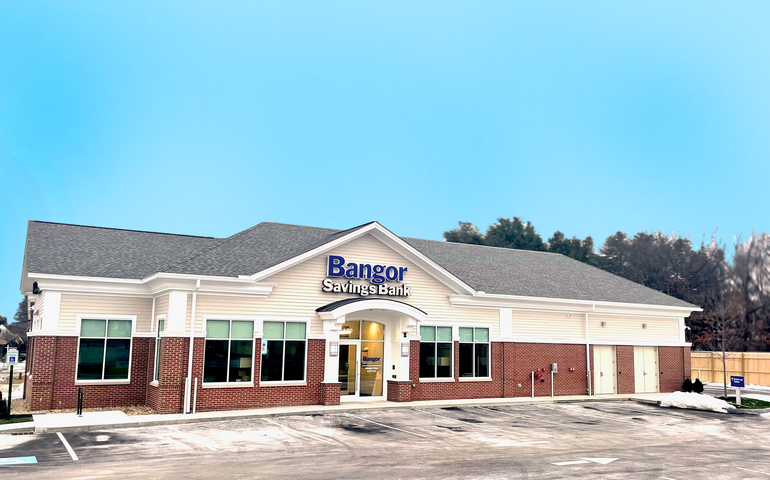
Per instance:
{"type": "Point", "coordinates": [646, 369]}
{"type": "Point", "coordinates": [604, 369]}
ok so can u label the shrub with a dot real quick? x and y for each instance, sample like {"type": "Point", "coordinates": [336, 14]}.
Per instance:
{"type": "Point", "coordinates": [697, 386]}
{"type": "Point", "coordinates": [687, 386]}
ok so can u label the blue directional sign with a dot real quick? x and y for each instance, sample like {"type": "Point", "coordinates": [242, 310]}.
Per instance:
{"type": "Point", "coordinates": [17, 460]}
{"type": "Point", "coordinates": [736, 381]}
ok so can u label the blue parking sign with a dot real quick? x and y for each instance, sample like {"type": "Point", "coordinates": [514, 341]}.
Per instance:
{"type": "Point", "coordinates": [736, 381]}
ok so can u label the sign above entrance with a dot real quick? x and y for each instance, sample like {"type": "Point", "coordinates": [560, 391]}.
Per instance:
{"type": "Point", "coordinates": [376, 274]}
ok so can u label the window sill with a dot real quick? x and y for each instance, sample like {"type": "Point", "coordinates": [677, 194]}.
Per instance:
{"type": "Point", "coordinates": [228, 385]}
{"type": "Point", "coordinates": [102, 382]}
{"type": "Point", "coordinates": [437, 380]}
{"type": "Point", "coordinates": [154, 383]}
{"type": "Point", "coordinates": [283, 384]}
{"type": "Point", "coordinates": [475, 379]}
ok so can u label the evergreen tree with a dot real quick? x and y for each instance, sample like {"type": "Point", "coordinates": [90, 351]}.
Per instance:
{"type": "Point", "coordinates": [467, 233]}
{"type": "Point", "coordinates": [513, 233]}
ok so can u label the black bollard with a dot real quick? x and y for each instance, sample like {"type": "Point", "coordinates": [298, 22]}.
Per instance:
{"type": "Point", "coordinates": [10, 394]}
{"type": "Point", "coordinates": [80, 401]}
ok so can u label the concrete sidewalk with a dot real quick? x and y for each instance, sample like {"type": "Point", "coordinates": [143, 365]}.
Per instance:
{"type": "Point", "coordinates": [70, 422]}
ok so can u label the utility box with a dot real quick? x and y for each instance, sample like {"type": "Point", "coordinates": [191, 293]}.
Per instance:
{"type": "Point", "coordinates": [555, 368]}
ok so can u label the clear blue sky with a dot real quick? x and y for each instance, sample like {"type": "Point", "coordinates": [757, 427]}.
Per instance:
{"type": "Point", "coordinates": [206, 118]}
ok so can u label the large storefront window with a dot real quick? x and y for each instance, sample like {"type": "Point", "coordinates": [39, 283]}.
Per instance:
{"type": "Point", "coordinates": [436, 352]}
{"type": "Point", "coordinates": [104, 351]}
{"type": "Point", "coordinates": [283, 351]}
{"type": "Point", "coordinates": [229, 351]}
{"type": "Point", "coordinates": [474, 352]}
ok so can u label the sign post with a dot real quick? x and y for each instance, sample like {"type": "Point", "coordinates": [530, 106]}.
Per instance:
{"type": "Point", "coordinates": [13, 357]}
{"type": "Point", "coordinates": [737, 382]}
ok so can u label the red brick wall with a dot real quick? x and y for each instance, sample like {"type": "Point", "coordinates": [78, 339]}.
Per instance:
{"type": "Point", "coordinates": [168, 396]}
{"type": "Point", "coordinates": [625, 364]}
{"type": "Point", "coordinates": [672, 362]}
{"type": "Point", "coordinates": [456, 389]}
{"type": "Point", "coordinates": [330, 393]}
{"type": "Point", "coordinates": [212, 399]}
{"type": "Point", "coordinates": [53, 371]}
{"type": "Point", "coordinates": [399, 391]}
{"type": "Point", "coordinates": [532, 356]}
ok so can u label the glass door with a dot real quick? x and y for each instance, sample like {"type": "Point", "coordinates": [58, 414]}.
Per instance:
{"type": "Point", "coordinates": [347, 371]}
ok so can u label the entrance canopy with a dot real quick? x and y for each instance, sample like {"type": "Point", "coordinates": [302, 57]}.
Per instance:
{"type": "Point", "coordinates": [340, 308]}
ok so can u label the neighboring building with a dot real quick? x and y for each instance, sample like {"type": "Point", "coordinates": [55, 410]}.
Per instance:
{"type": "Point", "coordinates": [290, 315]}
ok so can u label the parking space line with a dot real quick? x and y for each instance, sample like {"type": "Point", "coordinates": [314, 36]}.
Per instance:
{"type": "Point", "coordinates": [299, 433]}
{"type": "Point", "coordinates": [67, 446]}
{"type": "Point", "coordinates": [755, 471]}
{"type": "Point", "coordinates": [588, 415]}
{"type": "Point", "coordinates": [644, 412]}
{"type": "Point", "coordinates": [383, 425]}
{"type": "Point", "coordinates": [528, 417]}
{"type": "Point", "coordinates": [194, 440]}
{"type": "Point", "coordinates": [462, 421]}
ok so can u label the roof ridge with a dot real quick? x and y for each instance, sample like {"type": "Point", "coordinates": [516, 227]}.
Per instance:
{"type": "Point", "coordinates": [446, 242]}
{"type": "Point", "coordinates": [120, 229]}
{"type": "Point", "coordinates": [210, 247]}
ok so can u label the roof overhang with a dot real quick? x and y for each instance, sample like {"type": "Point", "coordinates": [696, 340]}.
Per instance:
{"type": "Point", "coordinates": [341, 308]}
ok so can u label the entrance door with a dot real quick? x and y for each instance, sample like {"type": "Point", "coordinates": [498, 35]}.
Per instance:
{"type": "Point", "coordinates": [348, 369]}
{"type": "Point", "coordinates": [646, 369]}
{"type": "Point", "coordinates": [604, 369]}
{"type": "Point", "coordinates": [361, 360]}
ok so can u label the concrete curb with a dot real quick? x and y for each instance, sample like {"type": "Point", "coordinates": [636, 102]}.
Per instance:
{"type": "Point", "coordinates": [139, 422]}
{"type": "Point", "coordinates": [21, 427]}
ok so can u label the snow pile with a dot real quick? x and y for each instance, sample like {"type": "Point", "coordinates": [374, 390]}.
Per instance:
{"type": "Point", "coordinates": [751, 386]}
{"type": "Point", "coordinates": [696, 401]}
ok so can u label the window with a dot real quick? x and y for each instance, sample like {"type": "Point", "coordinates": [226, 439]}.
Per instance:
{"type": "Point", "coordinates": [161, 328]}
{"type": "Point", "coordinates": [436, 352]}
{"type": "Point", "coordinates": [474, 352]}
{"type": "Point", "coordinates": [283, 351]}
{"type": "Point", "coordinates": [104, 351]}
{"type": "Point", "coordinates": [228, 354]}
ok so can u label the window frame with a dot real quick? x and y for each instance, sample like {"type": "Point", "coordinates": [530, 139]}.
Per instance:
{"type": "Point", "coordinates": [488, 343]}
{"type": "Point", "coordinates": [451, 377]}
{"type": "Point", "coordinates": [231, 319]}
{"type": "Point", "coordinates": [156, 363]}
{"type": "Point", "coordinates": [284, 320]}
{"type": "Point", "coordinates": [98, 316]}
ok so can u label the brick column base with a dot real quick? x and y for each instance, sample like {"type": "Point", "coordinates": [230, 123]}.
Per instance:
{"type": "Point", "coordinates": [399, 391]}
{"type": "Point", "coordinates": [330, 393]}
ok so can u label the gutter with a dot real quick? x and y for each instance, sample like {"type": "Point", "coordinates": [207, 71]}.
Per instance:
{"type": "Point", "coordinates": [588, 355]}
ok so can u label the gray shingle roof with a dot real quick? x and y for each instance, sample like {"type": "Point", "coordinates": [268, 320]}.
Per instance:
{"type": "Point", "coordinates": [104, 252]}
{"type": "Point", "coordinates": [64, 249]}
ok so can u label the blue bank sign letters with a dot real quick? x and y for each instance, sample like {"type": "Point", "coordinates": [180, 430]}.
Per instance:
{"type": "Point", "coordinates": [377, 276]}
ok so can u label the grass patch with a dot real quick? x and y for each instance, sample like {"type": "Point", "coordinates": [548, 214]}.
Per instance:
{"type": "Point", "coordinates": [747, 402]}
{"type": "Point", "coordinates": [16, 419]}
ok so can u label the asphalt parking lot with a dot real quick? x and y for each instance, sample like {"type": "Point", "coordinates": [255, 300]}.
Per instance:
{"type": "Point", "coordinates": [582, 440]}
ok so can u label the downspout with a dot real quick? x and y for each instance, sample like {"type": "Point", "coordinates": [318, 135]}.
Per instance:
{"type": "Point", "coordinates": [152, 329]}
{"type": "Point", "coordinates": [588, 355]}
{"type": "Point", "coordinates": [192, 343]}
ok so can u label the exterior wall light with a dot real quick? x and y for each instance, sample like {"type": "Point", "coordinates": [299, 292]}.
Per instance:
{"type": "Point", "coordinates": [644, 325]}
{"type": "Point", "coordinates": [604, 324]}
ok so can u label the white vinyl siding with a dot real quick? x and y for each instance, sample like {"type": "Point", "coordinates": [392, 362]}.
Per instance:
{"type": "Point", "coordinates": [161, 305]}
{"type": "Point", "coordinates": [298, 292]}
{"type": "Point", "coordinates": [225, 306]}
{"type": "Point", "coordinates": [533, 325]}
{"type": "Point", "coordinates": [38, 309]}
{"type": "Point", "coordinates": [74, 305]}
{"type": "Point", "coordinates": [625, 330]}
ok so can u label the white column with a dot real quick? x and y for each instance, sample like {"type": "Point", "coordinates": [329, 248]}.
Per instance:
{"type": "Point", "coordinates": [51, 308]}
{"type": "Point", "coordinates": [332, 364]}
{"type": "Point", "coordinates": [176, 318]}
{"type": "Point", "coordinates": [403, 362]}
{"type": "Point", "coordinates": [506, 324]}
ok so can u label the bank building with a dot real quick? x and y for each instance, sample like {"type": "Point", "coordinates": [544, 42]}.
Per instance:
{"type": "Point", "coordinates": [292, 315]}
